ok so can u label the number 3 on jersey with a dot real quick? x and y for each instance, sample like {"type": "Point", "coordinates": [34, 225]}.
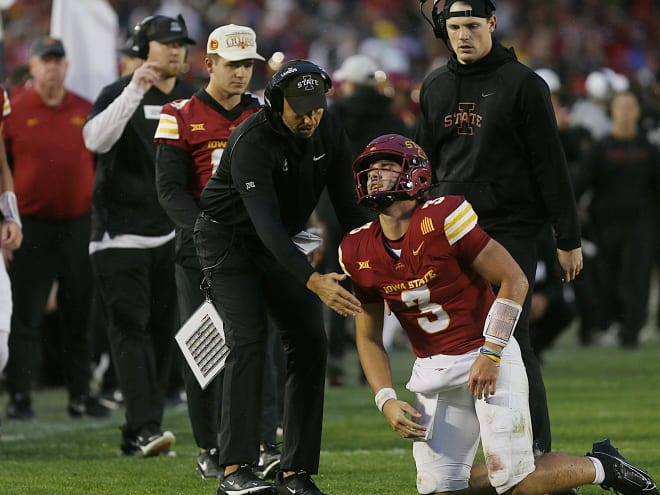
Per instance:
{"type": "Point", "coordinates": [420, 297]}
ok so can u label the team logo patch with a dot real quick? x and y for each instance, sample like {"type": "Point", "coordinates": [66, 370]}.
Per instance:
{"type": "Point", "coordinates": [250, 185]}
{"type": "Point", "coordinates": [364, 265]}
{"type": "Point", "coordinates": [77, 120]}
{"type": "Point", "coordinates": [213, 44]}
{"type": "Point", "coordinates": [307, 82]}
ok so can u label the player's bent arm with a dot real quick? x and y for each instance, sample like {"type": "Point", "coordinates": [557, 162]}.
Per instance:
{"type": "Point", "coordinates": [496, 265]}
{"type": "Point", "coordinates": [102, 131]}
{"type": "Point", "coordinates": [376, 365]}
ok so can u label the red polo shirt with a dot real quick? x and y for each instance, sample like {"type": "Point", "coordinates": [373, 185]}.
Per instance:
{"type": "Point", "coordinates": [53, 171]}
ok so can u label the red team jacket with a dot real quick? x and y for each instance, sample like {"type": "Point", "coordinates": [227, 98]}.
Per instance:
{"type": "Point", "coordinates": [440, 301]}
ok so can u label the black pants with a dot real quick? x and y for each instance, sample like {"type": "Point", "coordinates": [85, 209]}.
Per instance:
{"type": "Point", "coordinates": [51, 251]}
{"type": "Point", "coordinates": [624, 265]}
{"type": "Point", "coordinates": [204, 405]}
{"type": "Point", "coordinates": [247, 285]}
{"type": "Point", "coordinates": [138, 292]}
{"type": "Point", "coordinates": [523, 250]}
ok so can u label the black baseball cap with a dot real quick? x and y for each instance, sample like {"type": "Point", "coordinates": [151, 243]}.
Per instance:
{"type": "Point", "coordinates": [166, 29]}
{"type": "Point", "coordinates": [305, 92]}
{"type": "Point", "coordinates": [47, 45]}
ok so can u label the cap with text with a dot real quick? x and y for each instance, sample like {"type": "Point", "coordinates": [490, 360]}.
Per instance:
{"type": "Point", "coordinates": [47, 45]}
{"type": "Point", "coordinates": [305, 93]}
{"type": "Point", "coordinates": [234, 43]}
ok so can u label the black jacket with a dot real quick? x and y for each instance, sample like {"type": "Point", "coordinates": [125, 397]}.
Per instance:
{"type": "Point", "coordinates": [623, 176]}
{"type": "Point", "coordinates": [490, 133]}
{"type": "Point", "coordinates": [124, 197]}
{"type": "Point", "coordinates": [269, 182]}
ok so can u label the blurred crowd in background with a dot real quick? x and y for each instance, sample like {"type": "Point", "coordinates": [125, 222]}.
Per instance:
{"type": "Point", "coordinates": [572, 37]}
{"type": "Point", "coordinates": [586, 50]}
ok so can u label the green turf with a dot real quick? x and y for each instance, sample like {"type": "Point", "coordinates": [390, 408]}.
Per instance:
{"type": "Point", "coordinates": [594, 393]}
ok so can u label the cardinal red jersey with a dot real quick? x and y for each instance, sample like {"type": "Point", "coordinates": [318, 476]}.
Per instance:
{"type": "Point", "coordinates": [200, 130]}
{"type": "Point", "coordinates": [440, 301]}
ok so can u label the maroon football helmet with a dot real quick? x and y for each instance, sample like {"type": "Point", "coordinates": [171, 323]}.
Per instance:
{"type": "Point", "coordinates": [414, 179]}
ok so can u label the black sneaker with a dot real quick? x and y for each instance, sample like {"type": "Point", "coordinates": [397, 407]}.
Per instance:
{"type": "Point", "coordinates": [208, 464]}
{"type": "Point", "coordinates": [297, 484]}
{"type": "Point", "coordinates": [269, 462]}
{"type": "Point", "coordinates": [20, 407]}
{"type": "Point", "coordinates": [620, 475]}
{"type": "Point", "coordinates": [85, 405]}
{"type": "Point", "coordinates": [243, 481]}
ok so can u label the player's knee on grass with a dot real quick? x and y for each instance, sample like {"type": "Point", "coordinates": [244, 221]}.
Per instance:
{"type": "Point", "coordinates": [507, 445]}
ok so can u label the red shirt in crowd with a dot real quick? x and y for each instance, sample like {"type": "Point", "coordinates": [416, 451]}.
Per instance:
{"type": "Point", "coordinates": [53, 171]}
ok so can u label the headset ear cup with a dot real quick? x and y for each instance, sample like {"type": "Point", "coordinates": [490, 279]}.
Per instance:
{"type": "Point", "coordinates": [443, 29]}
{"type": "Point", "coordinates": [439, 23]}
{"type": "Point", "coordinates": [277, 99]}
{"type": "Point", "coordinates": [141, 41]}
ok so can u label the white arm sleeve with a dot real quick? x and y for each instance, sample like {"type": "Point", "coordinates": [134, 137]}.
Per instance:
{"type": "Point", "coordinates": [102, 131]}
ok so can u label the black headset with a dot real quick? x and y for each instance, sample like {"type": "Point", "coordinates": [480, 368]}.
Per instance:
{"type": "Point", "coordinates": [438, 19]}
{"type": "Point", "coordinates": [142, 36]}
{"type": "Point", "coordinates": [273, 96]}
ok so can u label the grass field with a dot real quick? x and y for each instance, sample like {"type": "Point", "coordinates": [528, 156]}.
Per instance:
{"type": "Point", "coordinates": [593, 393]}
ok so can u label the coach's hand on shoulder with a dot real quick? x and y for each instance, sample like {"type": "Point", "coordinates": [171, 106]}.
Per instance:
{"type": "Point", "coordinates": [333, 295]}
{"type": "Point", "coordinates": [400, 415]}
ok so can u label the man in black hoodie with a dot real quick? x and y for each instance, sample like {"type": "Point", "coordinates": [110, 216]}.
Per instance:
{"type": "Point", "coordinates": [488, 127]}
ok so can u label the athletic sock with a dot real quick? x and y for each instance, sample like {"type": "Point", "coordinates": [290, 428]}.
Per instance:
{"type": "Point", "coordinates": [600, 472]}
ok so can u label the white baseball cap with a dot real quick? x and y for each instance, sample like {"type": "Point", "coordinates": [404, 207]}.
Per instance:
{"type": "Point", "coordinates": [360, 69]}
{"type": "Point", "coordinates": [234, 43]}
{"type": "Point", "coordinates": [551, 78]}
